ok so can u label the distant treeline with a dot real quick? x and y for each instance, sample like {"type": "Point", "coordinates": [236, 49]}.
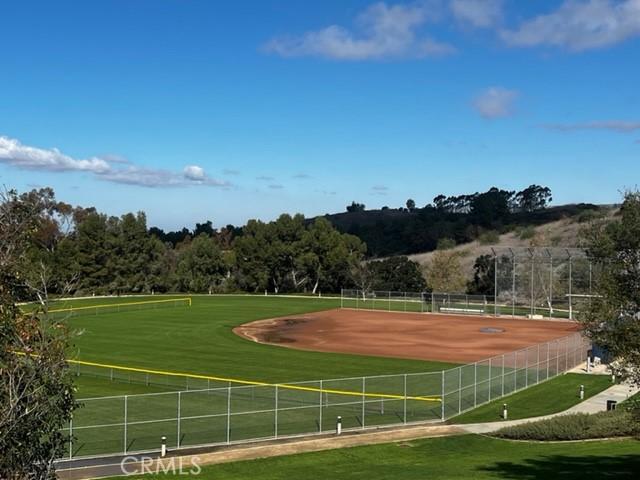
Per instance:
{"type": "Point", "coordinates": [461, 218]}
{"type": "Point", "coordinates": [78, 250]}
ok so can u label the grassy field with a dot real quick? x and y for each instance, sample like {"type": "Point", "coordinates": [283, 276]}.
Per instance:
{"type": "Point", "coordinates": [552, 396]}
{"type": "Point", "coordinates": [444, 458]}
{"type": "Point", "coordinates": [199, 339]}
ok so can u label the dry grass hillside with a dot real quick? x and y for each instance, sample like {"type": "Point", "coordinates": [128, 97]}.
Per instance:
{"type": "Point", "coordinates": [561, 233]}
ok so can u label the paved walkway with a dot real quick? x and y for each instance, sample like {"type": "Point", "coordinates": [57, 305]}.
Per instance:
{"type": "Point", "coordinates": [112, 467]}
{"type": "Point", "coordinates": [597, 403]}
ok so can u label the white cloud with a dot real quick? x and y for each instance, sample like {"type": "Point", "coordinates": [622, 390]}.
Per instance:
{"type": "Point", "coordinates": [621, 126]}
{"type": "Point", "coordinates": [381, 31]}
{"type": "Point", "coordinates": [495, 102]}
{"type": "Point", "coordinates": [276, 186]}
{"type": "Point", "coordinates": [477, 13]}
{"type": "Point", "coordinates": [195, 173]}
{"type": "Point", "coordinates": [265, 178]}
{"type": "Point", "coordinates": [577, 26]}
{"type": "Point", "coordinates": [14, 153]}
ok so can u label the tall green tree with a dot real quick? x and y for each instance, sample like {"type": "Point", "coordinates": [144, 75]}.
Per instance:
{"type": "Point", "coordinates": [201, 266]}
{"type": "Point", "coordinates": [612, 319]}
{"type": "Point", "coordinates": [398, 274]}
{"type": "Point", "coordinates": [36, 392]}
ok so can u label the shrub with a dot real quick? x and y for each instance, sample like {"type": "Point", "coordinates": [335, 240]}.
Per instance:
{"type": "Point", "coordinates": [490, 237]}
{"type": "Point", "coordinates": [578, 426]}
{"type": "Point", "coordinates": [446, 244]}
{"type": "Point", "coordinates": [526, 233]}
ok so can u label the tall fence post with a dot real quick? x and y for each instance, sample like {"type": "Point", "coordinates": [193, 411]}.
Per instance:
{"type": "Point", "coordinates": [71, 437]}
{"type": "Point", "coordinates": [490, 370]}
{"type": "Point", "coordinates": [342, 298]}
{"type": "Point", "coordinates": [548, 357]}
{"type": "Point", "coordinates": [125, 424]}
{"type": "Point", "coordinates": [178, 430]}
{"type": "Point", "coordinates": [275, 415]}
{"type": "Point", "coordinates": [228, 414]}
{"type": "Point", "coordinates": [405, 399]}
{"type": "Point", "coordinates": [459, 389]}
{"type": "Point", "coordinates": [364, 389]}
{"type": "Point", "coordinates": [475, 384]}
{"type": "Point", "coordinates": [442, 397]}
{"type": "Point", "coordinates": [502, 375]}
{"type": "Point", "coordinates": [538, 366]}
{"type": "Point", "coordinates": [320, 414]}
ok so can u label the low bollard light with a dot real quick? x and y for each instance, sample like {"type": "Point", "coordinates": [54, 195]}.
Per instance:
{"type": "Point", "coordinates": [339, 425]}
{"type": "Point", "coordinates": [504, 411]}
{"type": "Point", "coordinates": [581, 392]}
{"type": "Point", "coordinates": [163, 447]}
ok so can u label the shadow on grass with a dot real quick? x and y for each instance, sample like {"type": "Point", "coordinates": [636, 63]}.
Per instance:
{"type": "Point", "coordinates": [568, 467]}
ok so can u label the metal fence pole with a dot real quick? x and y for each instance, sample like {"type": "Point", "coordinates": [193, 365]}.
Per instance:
{"type": "Point", "coordinates": [363, 398]}
{"type": "Point", "coordinates": [495, 284]}
{"type": "Point", "coordinates": [459, 389]}
{"type": "Point", "coordinates": [538, 366]}
{"type": "Point", "coordinates": [502, 375]}
{"type": "Point", "coordinates": [442, 397]}
{"type": "Point", "coordinates": [275, 422]}
{"type": "Point", "coordinates": [405, 398]}
{"type": "Point", "coordinates": [513, 284]}
{"type": "Point", "coordinates": [320, 415]}
{"type": "Point", "coordinates": [125, 424]}
{"type": "Point", "coordinates": [178, 432]}
{"type": "Point", "coordinates": [475, 384]}
{"type": "Point", "coordinates": [71, 437]}
{"type": "Point", "coordinates": [490, 368]}
{"type": "Point", "coordinates": [548, 357]}
{"type": "Point", "coordinates": [229, 414]}
{"type": "Point", "coordinates": [342, 298]}
{"type": "Point", "coordinates": [526, 368]}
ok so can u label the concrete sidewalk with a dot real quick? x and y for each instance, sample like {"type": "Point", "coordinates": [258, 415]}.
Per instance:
{"type": "Point", "coordinates": [595, 404]}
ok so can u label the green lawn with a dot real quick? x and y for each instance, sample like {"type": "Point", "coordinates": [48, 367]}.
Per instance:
{"type": "Point", "coordinates": [200, 340]}
{"type": "Point", "coordinates": [468, 456]}
{"type": "Point", "coordinates": [552, 396]}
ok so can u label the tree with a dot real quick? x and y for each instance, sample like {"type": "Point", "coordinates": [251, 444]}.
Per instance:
{"type": "Point", "coordinates": [612, 318]}
{"type": "Point", "coordinates": [398, 274]}
{"type": "Point", "coordinates": [444, 272]}
{"type": "Point", "coordinates": [201, 266]}
{"type": "Point", "coordinates": [483, 282]}
{"type": "Point", "coordinates": [533, 198]}
{"type": "Point", "coordinates": [356, 207]}
{"type": "Point", "coordinates": [411, 205]}
{"type": "Point", "coordinates": [36, 390]}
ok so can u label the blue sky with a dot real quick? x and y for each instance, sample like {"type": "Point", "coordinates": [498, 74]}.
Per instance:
{"type": "Point", "coordinates": [194, 110]}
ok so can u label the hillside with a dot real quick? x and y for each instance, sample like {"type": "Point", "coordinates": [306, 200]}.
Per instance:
{"type": "Point", "coordinates": [564, 233]}
{"type": "Point", "coordinates": [390, 232]}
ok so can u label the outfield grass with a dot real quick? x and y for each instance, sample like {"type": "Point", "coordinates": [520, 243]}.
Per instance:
{"type": "Point", "coordinates": [199, 340]}
{"type": "Point", "coordinates": [552, 396]}
{"type": "Point", "coordinates": [466, 456]}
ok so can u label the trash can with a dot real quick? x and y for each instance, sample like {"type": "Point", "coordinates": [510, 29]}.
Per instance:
{"type": "Point", "coordinates": [611, 405]}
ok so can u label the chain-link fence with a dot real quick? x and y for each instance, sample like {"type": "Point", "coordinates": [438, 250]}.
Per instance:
{"type": "Point", "coordinates": [532, 282]}
{"type": "Point", "coordinates": [210, 413]}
